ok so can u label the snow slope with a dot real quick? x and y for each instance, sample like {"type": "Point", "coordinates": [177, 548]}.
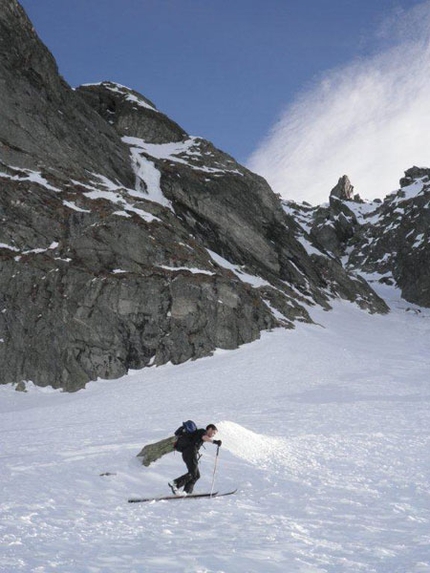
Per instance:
{"type": "Point", "coordinates": [325, 432]}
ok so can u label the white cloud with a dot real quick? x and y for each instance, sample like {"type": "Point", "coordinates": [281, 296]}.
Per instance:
{"type": "Point", "coordinates": [369, 120]}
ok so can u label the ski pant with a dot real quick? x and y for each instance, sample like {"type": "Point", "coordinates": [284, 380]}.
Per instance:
{"type": "Point", "coordinates": [188, 480]}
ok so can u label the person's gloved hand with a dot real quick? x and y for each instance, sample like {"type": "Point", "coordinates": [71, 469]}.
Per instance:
{"type": "Point", "coordinates": [217, 443]}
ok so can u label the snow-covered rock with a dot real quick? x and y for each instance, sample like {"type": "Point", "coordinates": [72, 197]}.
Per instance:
{"type": "Point", "coordinates": [389, 238]}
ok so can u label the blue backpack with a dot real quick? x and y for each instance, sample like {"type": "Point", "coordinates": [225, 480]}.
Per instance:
{"type": "Point", "coordinates": [184, 435]}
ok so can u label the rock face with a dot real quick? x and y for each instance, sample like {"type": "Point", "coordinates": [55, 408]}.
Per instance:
{"type": "Point", "coordinates": [333, 225]}
{"type": "Point", "coordinates": [43, 122]}
{"type": "Point", "coordinates": [123, 108]}
{"type": "Point", "coordinates": [387, 240]}
{"type": "Point", "coordinates": [394, 241]}
{"type": "Point", "coordinates": [127, 243]}
{"type": "Point", "coordinates": [343, 190]}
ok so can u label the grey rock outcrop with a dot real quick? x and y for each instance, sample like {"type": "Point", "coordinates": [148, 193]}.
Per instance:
{"type": "Point", "coordinates": [388, 240]}
{"type": "Point", "coordinates": [333, 225]}
{"type": "Point", "coordinates": [125, 109]}
{"type": "Point", "coordinates": [88, 292]}
{"type": "Point", "coordinates": [394, 240]}
{"type": "Point", "coordinates": [43, 122]}
{"type": "Point", "coordinates": [344, 190]}
{"type": "Point", "coordinates": [235, 213]}
{"type": "Point", "coordinates": [127, 243]}
{"type": "Point", "coordinates": [413, 174]}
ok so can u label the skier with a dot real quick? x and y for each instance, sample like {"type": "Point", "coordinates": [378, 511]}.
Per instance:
{"type": "Point", "coordinates": [189, 446]}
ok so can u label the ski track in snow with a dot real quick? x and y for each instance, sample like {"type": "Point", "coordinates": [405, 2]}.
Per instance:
{"type": "Point", "coordinates": [325, 432]}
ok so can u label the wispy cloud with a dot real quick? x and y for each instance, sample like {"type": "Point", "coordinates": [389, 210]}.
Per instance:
{"type": "Point", "coordinates": [369, 120]}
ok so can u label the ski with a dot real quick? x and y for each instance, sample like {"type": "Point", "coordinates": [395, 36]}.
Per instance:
{"type": "Point", "coordinates": [191, 496]}
{"type": "Point", "coordinates": [226, 493]}
{"type": "Point", "coordinates": [168, 497]}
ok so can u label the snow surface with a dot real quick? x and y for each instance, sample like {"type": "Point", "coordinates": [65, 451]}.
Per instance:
{"type": "Point", "coordinates": [184, 152]}
{"type": "Point", "coordinates": [29, 175]}
{"type": "Point", "coordinates": [325, 433]}
{"type": "Point", "coordinates": [253, 280]}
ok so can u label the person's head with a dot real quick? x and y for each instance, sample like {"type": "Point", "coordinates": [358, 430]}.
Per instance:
{"type": "Point", "coordinates": [211, 430]}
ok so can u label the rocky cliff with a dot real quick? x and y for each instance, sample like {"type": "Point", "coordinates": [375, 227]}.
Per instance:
{"type": "Point", "coordinates": [125, 242]}
{"type": "Point", "coordinates": [386, 241]}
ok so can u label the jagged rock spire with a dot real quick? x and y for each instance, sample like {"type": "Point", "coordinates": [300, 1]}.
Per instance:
{"type": "Point", "coordinates": [344, 189]}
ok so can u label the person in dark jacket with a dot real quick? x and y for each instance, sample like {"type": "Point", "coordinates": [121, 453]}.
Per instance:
{"type": "Point", "coordinates": [189, 446]}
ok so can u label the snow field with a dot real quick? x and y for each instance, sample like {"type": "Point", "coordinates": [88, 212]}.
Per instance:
{"type": "Point", "coordinates": [325, 432]}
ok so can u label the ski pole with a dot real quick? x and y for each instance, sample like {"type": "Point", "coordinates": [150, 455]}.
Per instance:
{"type": "Point", "coordinates": [215, 466]}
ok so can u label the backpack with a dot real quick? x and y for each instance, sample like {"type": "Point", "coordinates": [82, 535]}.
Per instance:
{"type": "Point", "coordinates": [184, 435]}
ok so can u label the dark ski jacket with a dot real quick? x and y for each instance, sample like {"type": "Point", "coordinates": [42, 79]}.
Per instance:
{"type": "Point", "coordinates": [190, 442]}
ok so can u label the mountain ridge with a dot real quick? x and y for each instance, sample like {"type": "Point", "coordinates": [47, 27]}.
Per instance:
{"type": "Point", "coordinates": [388, 238]}
{"type": "Point", "coordinates": [129, 243]}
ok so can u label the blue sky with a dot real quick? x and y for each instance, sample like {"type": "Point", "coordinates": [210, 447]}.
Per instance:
{"type": "Point", "coordinates": [226, 70]}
